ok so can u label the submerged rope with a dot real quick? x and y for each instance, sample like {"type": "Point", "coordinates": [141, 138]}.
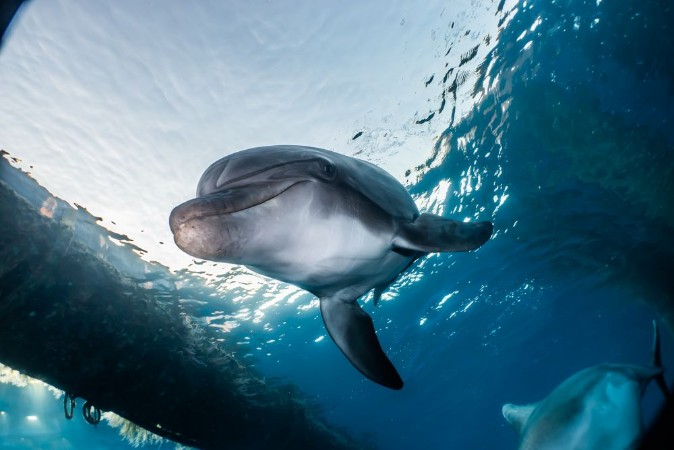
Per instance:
{"type": "Point", "coordinates": [91, 413]}
{"type": "Point", "coordinates": [69, 405]}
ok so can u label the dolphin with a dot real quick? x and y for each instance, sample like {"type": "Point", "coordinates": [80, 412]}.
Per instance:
{"type": "Point", "coordinates": [596, 408]}
{"type": "Point", "coordinates": [333, 225]}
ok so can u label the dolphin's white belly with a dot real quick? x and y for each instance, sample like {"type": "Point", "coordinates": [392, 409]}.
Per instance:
{"type": "Point", "coordinates": [303, 241]}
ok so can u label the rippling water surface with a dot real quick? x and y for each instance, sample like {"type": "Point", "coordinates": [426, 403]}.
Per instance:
{"type": "Point", "coordinates": [553, 119]}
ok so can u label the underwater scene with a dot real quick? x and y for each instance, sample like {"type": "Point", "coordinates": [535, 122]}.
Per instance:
{"type": "Point", "coordinates": [320, 225]}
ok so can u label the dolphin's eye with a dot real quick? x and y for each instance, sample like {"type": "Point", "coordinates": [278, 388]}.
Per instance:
{"type": "Point", "coordinates": [329, 169]}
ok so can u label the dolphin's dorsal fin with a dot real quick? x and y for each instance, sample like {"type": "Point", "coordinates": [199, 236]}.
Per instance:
{"type": "Point", "coordinates": [518, 415]}
{"type": "Point", "coordinates": [656, 360]}
{"type": "Point", "coordinates": [353, 332]}
{"type": "Point", "coordinates": [430, 233]}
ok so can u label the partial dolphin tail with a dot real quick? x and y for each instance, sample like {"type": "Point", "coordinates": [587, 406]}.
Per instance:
{"type": "Point", "coordinates": [657, 362]}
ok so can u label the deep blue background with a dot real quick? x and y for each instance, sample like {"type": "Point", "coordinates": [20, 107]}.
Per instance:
{"type": "Point", "coordinates": [578, 134]}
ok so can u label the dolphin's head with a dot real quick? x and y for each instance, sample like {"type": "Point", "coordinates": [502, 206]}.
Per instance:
{"type": "Point", "coordinates": [204, 227]}
{"type": "Point", "coordinates": [267, 166]}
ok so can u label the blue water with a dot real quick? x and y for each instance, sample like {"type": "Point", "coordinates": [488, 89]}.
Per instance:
{"type": "Point", "coordinates": [580, 261]}
{"type": "Point", "coordinates": [569, 151]}
{"type": "Point", "coordinates": [582, 256]}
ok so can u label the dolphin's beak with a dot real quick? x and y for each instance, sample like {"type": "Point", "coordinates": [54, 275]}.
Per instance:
{"type": "Point", "coordinates": [197, 226]}
{"type": "Point", "coordinates": [228, 201]}
{"type": "Point", "coordinates": [219, 203]}
{"type": "Point", "coordinates": [191, 209]}
{"type": "Point", "coordinates": [174, 220]}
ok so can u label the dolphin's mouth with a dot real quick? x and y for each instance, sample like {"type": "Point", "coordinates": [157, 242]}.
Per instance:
{"type": "Point", "coordinates": [228, 201]}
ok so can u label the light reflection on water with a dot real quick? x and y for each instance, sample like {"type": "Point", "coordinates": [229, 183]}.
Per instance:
{"type": "Point", "coordinates": [473, 178]}
{"type": "Point", "coordinates": [125, 123]}
{"type": "Point", "coordinates": [439, 62]}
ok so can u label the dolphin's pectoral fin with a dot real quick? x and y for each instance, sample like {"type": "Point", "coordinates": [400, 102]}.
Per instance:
{"type": "Point", "coordinates": [353, 332]}
{"type": "Point", "coordinates": [517, 415]}
{"type": "Point", "coordinates": [430, 233]}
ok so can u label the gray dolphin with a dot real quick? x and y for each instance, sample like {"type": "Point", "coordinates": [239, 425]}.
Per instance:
{"type": "Point", "coordinates": [333, 225]}
{"type": "Point", "coordinates": [597, 408]}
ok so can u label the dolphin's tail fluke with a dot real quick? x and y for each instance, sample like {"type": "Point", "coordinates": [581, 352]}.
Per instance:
{"type": "Point", "coordinates": [657, 362]}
